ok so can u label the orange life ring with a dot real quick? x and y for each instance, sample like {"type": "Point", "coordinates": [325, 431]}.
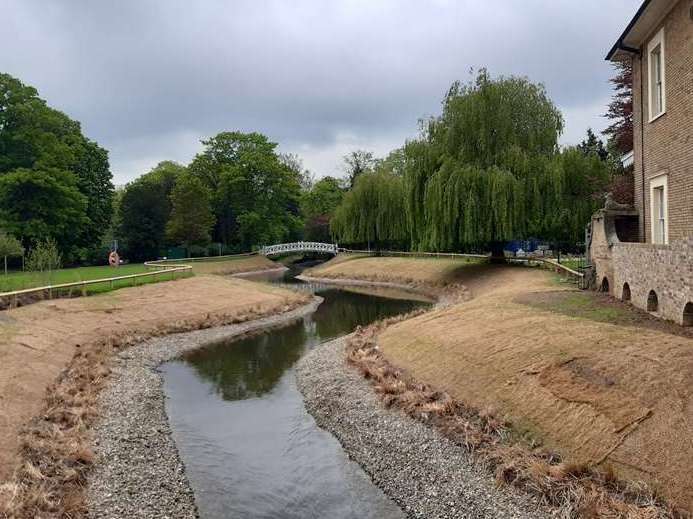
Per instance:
{"type": "Point", "coordinates": [113, 259]}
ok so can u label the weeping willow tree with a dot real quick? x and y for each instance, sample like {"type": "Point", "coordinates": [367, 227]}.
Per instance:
{"type": "Point", "coordinates": [487, 170]}
{"type": "Point", "coordinates": [372, 213]}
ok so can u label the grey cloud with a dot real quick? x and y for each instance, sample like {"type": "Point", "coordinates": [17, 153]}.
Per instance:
{"type": "Point", "coordinates": [141, 75]}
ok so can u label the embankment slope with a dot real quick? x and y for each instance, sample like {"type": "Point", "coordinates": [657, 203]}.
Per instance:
{"type": "Point", "coordinates": [596, 392]}
{"type": "Point", "coordinates": [38, 341]}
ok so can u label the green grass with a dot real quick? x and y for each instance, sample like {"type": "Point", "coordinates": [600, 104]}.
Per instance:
{"type": "Point", "coordinates": [22, 280]}
{"type": "Point", "coordinates": [585, 306]}
{"type": "Point", "coordinates": [573, 263]}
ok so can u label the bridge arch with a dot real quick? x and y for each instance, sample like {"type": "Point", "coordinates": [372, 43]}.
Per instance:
{"type": "Point", "coordinates": [299, 246]}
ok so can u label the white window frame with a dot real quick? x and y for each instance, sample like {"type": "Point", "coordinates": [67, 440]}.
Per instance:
{"type": "Point", "coordinates": [657, 220]}
{"type": "Point", "coordinates": [656, 41]}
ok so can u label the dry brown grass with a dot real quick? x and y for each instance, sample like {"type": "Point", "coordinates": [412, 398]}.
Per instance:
{"type": "Point", "coordinates": [55, 452]}
{"type": "Point", "coordinates": [599, 393]}
{"type": "Point", "coordinates": [233, 266]}
{"type": "Point", "coordinates": [576, 490]}
{"type": "Point", "coordinates": [424, 273]}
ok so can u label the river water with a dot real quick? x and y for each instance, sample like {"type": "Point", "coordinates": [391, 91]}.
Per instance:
{"type": "Point", "coordinates": [250, 448]}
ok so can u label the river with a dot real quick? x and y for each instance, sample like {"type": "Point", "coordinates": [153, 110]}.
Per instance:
{"type": "Point", "coordinates": [250, 448]}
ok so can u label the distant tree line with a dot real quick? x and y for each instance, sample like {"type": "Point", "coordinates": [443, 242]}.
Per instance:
{"type": "Point", "coordinates": [486, 170]}
{"type": "Point", "coordinates": [237, 193]}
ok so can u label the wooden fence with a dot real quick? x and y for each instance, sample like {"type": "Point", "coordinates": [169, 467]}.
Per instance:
{"type": "Point", "coordinates": [13, 298]}
{"type": "Point", "coordinates": [547, 262]}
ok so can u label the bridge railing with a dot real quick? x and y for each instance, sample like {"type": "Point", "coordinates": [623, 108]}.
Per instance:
{"type": "Point", "coordinates": [299, 246]}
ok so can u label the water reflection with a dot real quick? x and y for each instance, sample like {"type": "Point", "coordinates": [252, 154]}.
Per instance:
{"type": "Point", "coordinates": [249, 446]}
{"type": "Point", "coordinates": [252, 367]}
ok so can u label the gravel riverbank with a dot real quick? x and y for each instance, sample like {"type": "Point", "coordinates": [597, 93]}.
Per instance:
{"type": "Point", "coordinates": [138, 472]}
{"type": "Point", "coordinates": [426, 474]}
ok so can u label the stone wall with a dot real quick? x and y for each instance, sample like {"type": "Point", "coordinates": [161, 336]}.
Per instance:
{"type": "Point", "coordinates": [665, 269]}
{"type": "Point", "coordinates": [633, 270]}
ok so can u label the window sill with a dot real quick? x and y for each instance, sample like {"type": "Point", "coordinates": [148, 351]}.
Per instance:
{"type": "Point", "coordinates": [660, 114]}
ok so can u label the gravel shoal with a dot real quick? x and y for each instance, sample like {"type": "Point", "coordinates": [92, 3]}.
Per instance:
{"type": "Point", "coordinates": [138, 472]}
{"type": "Point", "coordinates": [427, 475]}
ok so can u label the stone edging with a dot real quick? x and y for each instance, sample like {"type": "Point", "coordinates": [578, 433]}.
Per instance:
{"type": "Point", "coordinates": [139, 472]}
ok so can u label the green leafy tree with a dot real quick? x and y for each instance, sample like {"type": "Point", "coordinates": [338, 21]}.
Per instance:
{"type": "Point", "coordinates": [34, 136]}
{"type": "Point", "coordinates": [620, 112]}
{"type": "Point", "coordinates": [593, 144]}
{"type": "Point", "coordinates": [477, 176]}
{"type": "Point", "coordinates": [191, 216]}
{"type": "Point", "coordinates": [41, 204]}
{"type": "Point", "coordinates": [145, 207]}
{"type": "Point", "coordinates": [487, 170]}
{"type": "Point", "coordinates": [357, 163]}
{"type": "Point", "coordinates": [94, 181]}
{"type": "Point", "coordinates": [44, 257]}
{"type": "Point", "coordinates": [255, 196]}
{"type": "Point", "coordinates": [9, 246]}
{"type": "Point", "coordinates": [394, 163]}
{"type": "Point", "coordinates": [318, 206]}
{"type": "Point", "coordinates": [295, 164]}
{"type": "Point", "coordinates": [371, 213]}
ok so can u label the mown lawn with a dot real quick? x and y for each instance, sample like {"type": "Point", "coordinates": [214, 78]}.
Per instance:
{"type": "Point", "coordinates": [22, 280]}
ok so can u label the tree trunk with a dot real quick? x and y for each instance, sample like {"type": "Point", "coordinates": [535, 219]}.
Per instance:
{"type": "Point", "coordinates": [497, 255]}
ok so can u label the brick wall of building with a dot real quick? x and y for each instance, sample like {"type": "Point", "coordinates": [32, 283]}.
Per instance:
{"type": "Point", "coordinates": [668, 141]}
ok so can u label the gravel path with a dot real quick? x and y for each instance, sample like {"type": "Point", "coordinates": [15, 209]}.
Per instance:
{"type": "Point", "coordinates": [426, 474]}
{"type": "Point", "coordinates": [138, 472]}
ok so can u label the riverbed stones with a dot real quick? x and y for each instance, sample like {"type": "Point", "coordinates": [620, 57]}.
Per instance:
{"type": "Point", "coordinates": [138, 472]}
{"type": "Point", "coordinates": [427, 475]}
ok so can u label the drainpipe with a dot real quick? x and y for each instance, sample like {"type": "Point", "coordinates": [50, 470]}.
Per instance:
{"type": "Point", "coordinates": [642, 144]}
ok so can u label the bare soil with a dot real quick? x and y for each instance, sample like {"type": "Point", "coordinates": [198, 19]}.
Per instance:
{"type": "Point", "coordinates": [39, 341]}
{"type": "Point", "coordinates": [592, 379]}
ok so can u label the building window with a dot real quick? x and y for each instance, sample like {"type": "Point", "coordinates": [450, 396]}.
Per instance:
{"type": "Point", "coordinates": [657, 83]}
{"type": "Point", "coordinates": [659, 209]}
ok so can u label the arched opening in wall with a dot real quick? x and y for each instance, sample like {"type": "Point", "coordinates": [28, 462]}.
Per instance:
{"type": "Point", "coordinates": [605, 285]}
{"type": "Point", "coordinates": [652, 301]}
{"type": "Point", "coordinates": [688, 315]}
{"type": "Point", "coordinates": [625, 294]}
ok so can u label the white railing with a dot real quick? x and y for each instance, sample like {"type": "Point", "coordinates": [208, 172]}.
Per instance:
{"type": "Point", "coordinates": [299, 246]}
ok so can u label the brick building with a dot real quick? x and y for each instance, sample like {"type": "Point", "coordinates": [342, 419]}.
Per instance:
{"type": "Point", "coordinates": [656, 273]}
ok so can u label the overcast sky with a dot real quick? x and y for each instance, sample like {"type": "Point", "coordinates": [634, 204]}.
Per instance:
{"type": "Point", "coordinates": [149, 79]}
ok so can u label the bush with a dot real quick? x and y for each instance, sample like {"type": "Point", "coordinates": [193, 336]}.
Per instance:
{"type": "Point", "coordinates": [44, 257]}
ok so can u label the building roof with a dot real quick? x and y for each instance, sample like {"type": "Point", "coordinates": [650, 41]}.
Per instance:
{"type": "Point", "coordinates": [648, 16]}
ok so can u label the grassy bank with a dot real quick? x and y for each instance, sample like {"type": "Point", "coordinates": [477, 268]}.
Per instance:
{"type": "Point", "coordinates": [226, 266]}
{"type": "Point", "coordinates": [424, 272]}
{"type": "Point", "coordinates": [22, 280]}
{"type": "Point", "coordinates": [56, 357]}
{"type": "Point", "coordinates": [575, 373]}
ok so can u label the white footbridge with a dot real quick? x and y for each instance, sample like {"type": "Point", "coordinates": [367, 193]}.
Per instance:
{"type": "Point", "coordinates": [299, 246]}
